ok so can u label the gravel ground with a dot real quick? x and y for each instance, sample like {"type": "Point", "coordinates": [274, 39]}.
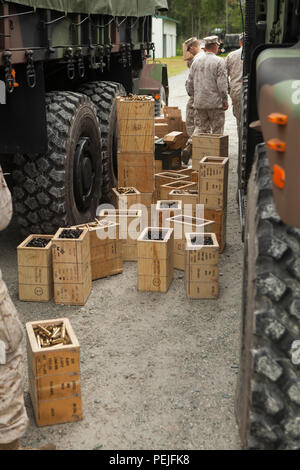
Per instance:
{"type": "Point", "coordinates": [158, 371]}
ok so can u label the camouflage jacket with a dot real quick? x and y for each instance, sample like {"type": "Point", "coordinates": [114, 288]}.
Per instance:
{"type": "Point", "coordinates": [207, 82]}
{"type": "Point", "coordinates": [234, 65]}
{"type": "Point", "coordinates": [191, 61]}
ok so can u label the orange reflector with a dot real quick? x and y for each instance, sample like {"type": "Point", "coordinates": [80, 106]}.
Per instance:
{"type": "Point", "coordinates": [276, 144]}
{"type": "Point", "coordinates": [278, 176]}
{"type": "Point", "coordinates": [278, 118]}
{"type": "Point", "coordinates": [157, 97]}
{"type": "Point", "coordinates": [13, 76]}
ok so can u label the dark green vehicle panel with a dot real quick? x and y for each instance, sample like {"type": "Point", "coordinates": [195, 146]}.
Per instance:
{"type": "Point", "coordinates": [100, 7]}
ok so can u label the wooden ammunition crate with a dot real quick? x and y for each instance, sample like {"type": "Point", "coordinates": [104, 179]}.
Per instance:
{"type": "Point", "coordinates": [175, 140]}
{"type": "Point", "coordinates": [54, 377]}
{"type": "Point", "coordinates": [136, 136]}
{"type": "Point", "coordinates": [168, 177]}
{"type": "Point", "coordinates": [201, 267]}
{"type": "Point", "coordinates": [35, 271]}
{"type": "Point", "coordinates": [158, 166]}
{"type": "Point", "coordinates": [146, 200]}
{"type": "Point", "coordinates": [136, 170]}
{"type": "Point", "coordinates": [105, 248]}
{"type": "Point", "coordinates": [125, 201]}
{"type": "Point", "coordinates": [195, 176]}
{"type": "Point", "coordinates": [166, 189]}
{"type": "Point", "coordinates": [72, 272]}
{"type": "Point", "coordinates": [163, 213]}
{"type": "Point", "coordinates": [219, 216]}
{"type": "Point", "coordinates": [208, 144]}
{"type": "Point", "coordinates": [182, 224]}
{"type": "Point", "coordinates": [189, 198]}
{"type": "Point", "coordinates": [130, 222]}
{"type": "Point", "coordinates": [155, 260]}
{"type": "Point", "coordinates": [173, 117]}
{"type": "Point", "coordinates": [161, 129]}
{"type": "Point", "coordinates": [136, 125]}
{"type": "Point", "coordinates": [159, 120]}
{"type": "Point", "coordinates": [213, 182]}
{"type": "Point", "coordinates": [142, 108]}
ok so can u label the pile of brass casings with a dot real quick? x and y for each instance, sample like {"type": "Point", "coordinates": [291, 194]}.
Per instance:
{"type": "Point", "coordinates": [124, 190]}
{"type": "Point", "coordinates": [132, 97]}
{"type": "Point", "coordinates": [51, 335]}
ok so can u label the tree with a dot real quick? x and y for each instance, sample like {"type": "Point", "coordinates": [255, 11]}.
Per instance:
{"type": "Point", "coordinates": [200, 17]}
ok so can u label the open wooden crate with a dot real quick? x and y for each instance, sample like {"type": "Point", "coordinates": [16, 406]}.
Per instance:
{"type": "Point", "coordinates": [54, 375]}
{"type": "Point", "coordinates": [202, 265]}
{"type": "Point", "coordinates": [155, 259]}
{"type": "Point", "coordinates": [35, 270]}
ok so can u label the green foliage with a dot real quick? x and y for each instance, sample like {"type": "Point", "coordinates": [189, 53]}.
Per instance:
{"type": "Point", "coordinates": [200, 17]}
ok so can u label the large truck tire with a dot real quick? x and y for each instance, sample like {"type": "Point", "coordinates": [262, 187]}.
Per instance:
{"type": "Point", "coordinates": [250, 34]}
{"type": "Point", "coordinates": [103, 94]}
{"type": "Point", "coordinates": [62, 187]}
{"type": "Point", "coordinates": [268, 391]}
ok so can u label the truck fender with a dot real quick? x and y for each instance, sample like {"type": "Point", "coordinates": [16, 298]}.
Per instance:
{"type": "Point", "coordinates": [278, 103]}
{"type": "Point", "coordinates": [153, 77]}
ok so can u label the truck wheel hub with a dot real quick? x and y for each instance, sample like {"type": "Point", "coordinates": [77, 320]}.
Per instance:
{"type": "Point", "coordinates": [84, 173]}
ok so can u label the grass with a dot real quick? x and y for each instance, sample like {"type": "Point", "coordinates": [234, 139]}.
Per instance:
{"type": "Point", "coordinates": [175, 65]}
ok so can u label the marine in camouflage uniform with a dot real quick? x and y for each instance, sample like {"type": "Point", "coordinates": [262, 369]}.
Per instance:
{"type": "Point", "coordinates": [208, 85]}
{"type": "Point", "coordinates": [234, 67]}
{"type": "Point", "coordinates": [13, 417]}
{"type": "Point", "coordinates": [193, 46]}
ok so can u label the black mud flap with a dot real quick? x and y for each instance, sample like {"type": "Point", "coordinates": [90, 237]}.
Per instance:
{"type": "Point", "coordinates": [23, 117]}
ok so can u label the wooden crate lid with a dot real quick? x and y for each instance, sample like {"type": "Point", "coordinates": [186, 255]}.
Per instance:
{"type": "Point", "coordinates": [173, 175]}
{"type": "Point", "coordinates": [181, 184]}
{"type": "Point", "coordinates": [190, 221]}
{"type": "Point", "coordinates": [98, 225]}
{"type": "Point", "coordinates": [120, 213]}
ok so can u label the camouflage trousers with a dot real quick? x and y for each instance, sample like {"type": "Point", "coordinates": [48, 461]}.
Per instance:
{"type": "Point", "coordinates": [209, 121]}
{"type": "Point", "coordinates": [236, 108]}
{"type": "Point", "coordinates": [190, 124]}
{"type": "Point", "coordinates": [13, 417]}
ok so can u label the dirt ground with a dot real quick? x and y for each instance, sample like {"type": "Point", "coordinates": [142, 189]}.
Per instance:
{"type": "Point", "coordinates": [158, 371]}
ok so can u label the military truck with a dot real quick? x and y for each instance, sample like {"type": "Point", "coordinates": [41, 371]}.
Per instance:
{"type": "Point", "coordinates": [231, 42]}
{"type": "Point", "coordinates": [268, 393]}
{"type": "Point", "coordinates": [62, 65]}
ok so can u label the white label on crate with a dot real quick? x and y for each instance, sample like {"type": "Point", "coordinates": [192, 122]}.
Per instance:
{"type": "Point", "coordinates": [2, 353]}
